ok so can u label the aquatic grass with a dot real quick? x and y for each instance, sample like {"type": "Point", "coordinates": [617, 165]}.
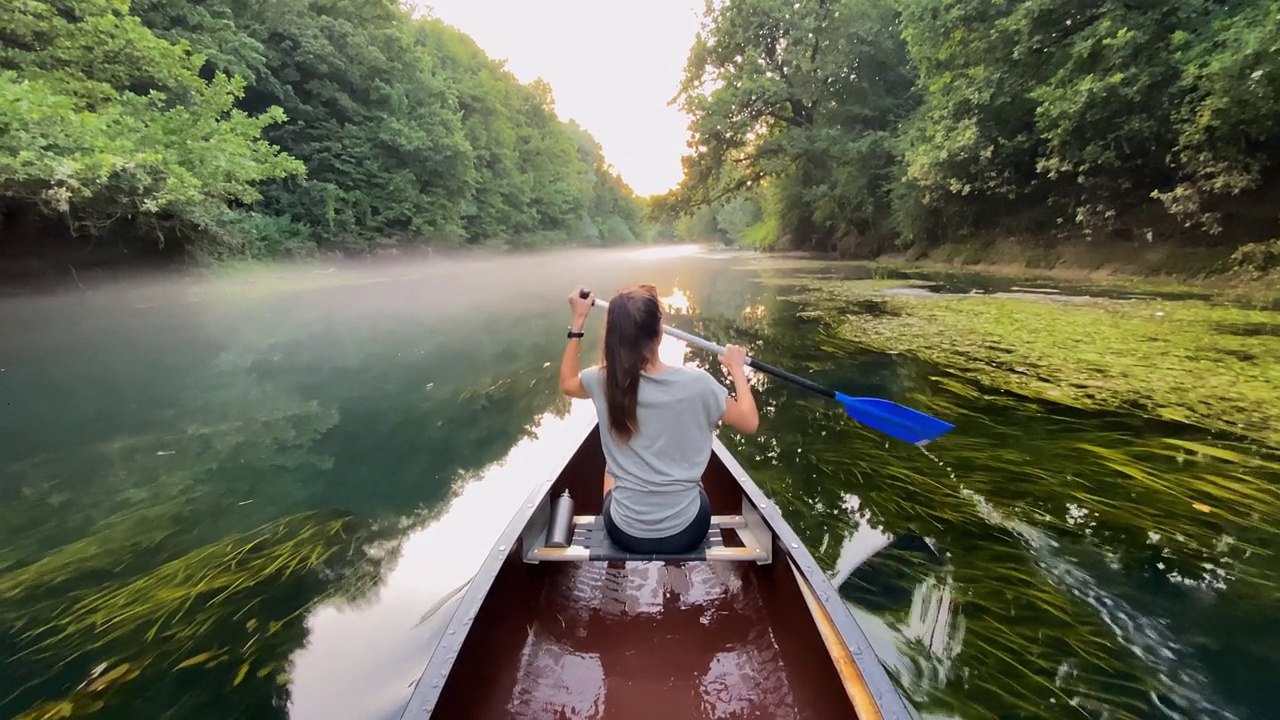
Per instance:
{"type": "Point", "coordinates": [116, 547]}
{"type": "Point", "coordinates": [1260, 290]}
{"type": "Point", "coordinates": [1040, 514]}
{"type": "Point", "coordinates": [1016, 629]}
{"type": "Point", "coordinates": [217, 606]}
{"type": "Point", "coordinates": [160, 600]}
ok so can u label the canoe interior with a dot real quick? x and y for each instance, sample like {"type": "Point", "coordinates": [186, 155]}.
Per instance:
{"type": "Point", "coordinates": [644, 640]}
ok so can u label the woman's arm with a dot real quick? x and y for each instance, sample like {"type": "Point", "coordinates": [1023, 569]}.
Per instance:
{"type": "Point", "coordinates": [570, 381]}
{"type": "Point", "coordinates": [739, 411]}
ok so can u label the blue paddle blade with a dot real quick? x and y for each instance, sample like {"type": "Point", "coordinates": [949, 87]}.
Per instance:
{"type": "Point", "coordinates": [895, 420]}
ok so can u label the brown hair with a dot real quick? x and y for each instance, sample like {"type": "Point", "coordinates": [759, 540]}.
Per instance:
{"type": "Point", "coordinates": [632, 332]}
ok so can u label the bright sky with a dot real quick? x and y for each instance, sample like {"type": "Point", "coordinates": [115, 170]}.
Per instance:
{"type": "Point", "coordinates": [613, 65]}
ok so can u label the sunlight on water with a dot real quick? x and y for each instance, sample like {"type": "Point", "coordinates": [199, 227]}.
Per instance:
{"type": "Point", "coordinates": [677, 302]}
{"type": "Point", "coordinates": [673, 350]}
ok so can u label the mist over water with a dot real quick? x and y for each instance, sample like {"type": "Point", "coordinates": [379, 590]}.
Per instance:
{"type": "Point", "coordinates": [238, 494]}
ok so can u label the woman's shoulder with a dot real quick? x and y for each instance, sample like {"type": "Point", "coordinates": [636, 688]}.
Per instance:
{"type": "Point", "coordinates": [590, 378]}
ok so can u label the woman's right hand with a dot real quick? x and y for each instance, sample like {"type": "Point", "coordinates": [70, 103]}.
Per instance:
{"type": "Point", "coordinates": [740, 412]}
{"type": "Point", "coordinates": [734, 358]}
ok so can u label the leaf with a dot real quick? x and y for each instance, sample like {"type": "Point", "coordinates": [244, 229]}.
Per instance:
{"type": "Point", "coordinates": [197, 659]}
{"type": "Point", "coordinates": [109, 677]}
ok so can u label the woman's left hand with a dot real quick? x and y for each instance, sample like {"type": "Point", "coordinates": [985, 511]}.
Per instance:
{"type": "Point", "coordinates": [581, 306]}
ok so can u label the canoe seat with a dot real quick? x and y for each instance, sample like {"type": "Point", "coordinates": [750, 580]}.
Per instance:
{"type": "Point", "coordinates": [591, 542]}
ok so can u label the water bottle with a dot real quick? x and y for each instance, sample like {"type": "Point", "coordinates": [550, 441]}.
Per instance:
{"type": "Point", "coordinates": [560, 530]}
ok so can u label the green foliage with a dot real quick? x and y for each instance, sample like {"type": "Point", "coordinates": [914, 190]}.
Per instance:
{"type": "Point", "coordinates": [1259, 258]}
{"type": "Point", "coordinates": [700, 226]}
{"type": "Point", "coordinates": [1228, 132]}
{"type": "Point", "coordinates": [807, 90]}
{"type": "Point", "coordinates": [271, 128]}
{"type": "Point", "coordinates": [105, 124]}
{"type": "Point", "coordinates": [737, 216]}
{"type": "Point", "coordinates": [612, 206]}
{"type": "Point", "coordinates": [925, 119]}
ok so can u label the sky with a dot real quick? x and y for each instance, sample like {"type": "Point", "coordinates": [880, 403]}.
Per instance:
{"type": "Point", "coordinates": [613, 65]}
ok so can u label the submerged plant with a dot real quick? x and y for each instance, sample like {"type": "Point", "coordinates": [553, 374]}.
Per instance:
{"type": "Point", "coordinates": [235, 606]}
{"type": "Point", "coordinates": [1046, 559]}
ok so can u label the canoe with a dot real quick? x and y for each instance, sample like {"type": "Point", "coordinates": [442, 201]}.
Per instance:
{"type": "Point", "coordinates": [557, 623]}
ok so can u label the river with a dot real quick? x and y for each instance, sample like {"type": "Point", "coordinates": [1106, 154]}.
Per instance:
{"type": "Point", "coordinates": [237, 496]}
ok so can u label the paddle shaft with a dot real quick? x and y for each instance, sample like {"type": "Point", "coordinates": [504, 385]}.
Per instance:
{"type": "Point", "coordinates": [751, 362]}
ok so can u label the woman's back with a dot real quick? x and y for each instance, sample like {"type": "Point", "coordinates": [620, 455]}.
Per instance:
{"type": "Point", "coordinates": [657, 470]}
{"type": "Point", "coordinates": [656, 423]}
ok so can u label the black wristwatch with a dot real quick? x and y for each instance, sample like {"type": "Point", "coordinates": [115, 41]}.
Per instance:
{"type": "Point", "coordinates": [573, 334]}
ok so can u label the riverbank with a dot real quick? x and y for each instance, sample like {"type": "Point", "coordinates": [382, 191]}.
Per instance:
{"type": "Point", "coordinates": [1248, 274]}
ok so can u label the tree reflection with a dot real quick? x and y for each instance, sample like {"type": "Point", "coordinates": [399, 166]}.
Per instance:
{"type": "Point", "coordinates": [170, 573]}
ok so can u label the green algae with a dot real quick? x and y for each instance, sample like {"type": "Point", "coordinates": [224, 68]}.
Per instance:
{"type": "Point", "coordinates": [1191, 361]}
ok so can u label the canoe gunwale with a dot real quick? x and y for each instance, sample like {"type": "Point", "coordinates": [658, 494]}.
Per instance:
{"type": "Point", "coordinates": [891, 704]}
{"type": "Point", "coordinates": [426, 694]}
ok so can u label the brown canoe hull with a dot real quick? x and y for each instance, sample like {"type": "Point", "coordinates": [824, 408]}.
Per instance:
{"type": "Point", "coordinates": [652, 640]}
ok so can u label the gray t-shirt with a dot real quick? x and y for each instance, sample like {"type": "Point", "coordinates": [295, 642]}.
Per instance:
{"type": "Point", "coordinates": [657, 471]}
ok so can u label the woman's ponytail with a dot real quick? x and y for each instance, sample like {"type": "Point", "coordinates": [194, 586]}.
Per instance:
{"type": "Point", "coordinates": [632, 331]}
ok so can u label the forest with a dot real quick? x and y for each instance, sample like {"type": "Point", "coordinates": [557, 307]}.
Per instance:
{"type": "Point", "coordinates": [871, 124]}
{"type": "Point", "coordinates": [251, 128]}
{"type": "Point", "coordinates": [233, 128]}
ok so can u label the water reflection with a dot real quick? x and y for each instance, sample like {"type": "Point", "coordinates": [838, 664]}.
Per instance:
{"type": "Point", "coordinates": [1046, 546]}
{"type": "Point", "coordinates": [1051, 563]}
{"type": "Point", "coordinates": [362, 661]}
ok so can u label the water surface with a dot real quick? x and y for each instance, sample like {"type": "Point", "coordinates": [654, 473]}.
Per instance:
{"type": "Point", "coordinates": [240, 498]}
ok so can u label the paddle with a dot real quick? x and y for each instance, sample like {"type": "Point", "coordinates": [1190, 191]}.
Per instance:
{"type": "Point", "coordinates": [886, 416]}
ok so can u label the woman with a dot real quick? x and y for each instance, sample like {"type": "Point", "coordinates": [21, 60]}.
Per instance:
{"type": "Point", "coordinates": [656, 424]}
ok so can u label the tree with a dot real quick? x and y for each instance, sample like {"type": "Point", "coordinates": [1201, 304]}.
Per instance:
{"type": "Point", "coordinates": [107, 125]}
{"type": "Point", "coordinates": [925, 119]}
{"type": "Point", "coordinates": [276, 127]}
{"type": "Point", "coordinates": [806, 95]}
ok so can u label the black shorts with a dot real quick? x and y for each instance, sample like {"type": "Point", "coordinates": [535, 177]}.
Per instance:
{"type": "Point", "coordinates": [681, 541]}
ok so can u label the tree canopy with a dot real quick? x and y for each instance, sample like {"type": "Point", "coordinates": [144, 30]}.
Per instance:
{"type": "Point", "coordinates": [276, 126]}
{"type": "Point", "coordinates": [916, 120]}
